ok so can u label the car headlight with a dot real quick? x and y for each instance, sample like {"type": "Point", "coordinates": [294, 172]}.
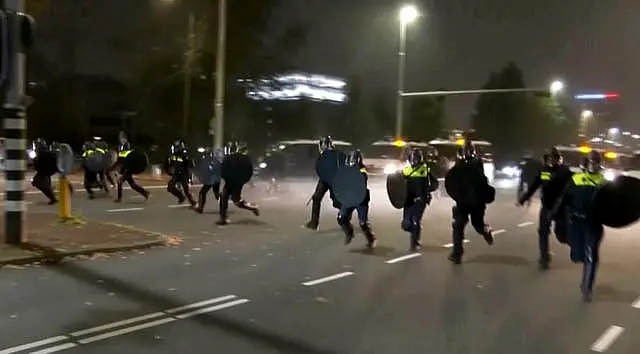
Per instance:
{"type": "Point", "coordinates": [262, 165]}
{"type": "Point", "coordinates": [32, 154]}
{"type": "Point", "coordinates": [510, 171]}
{"type": "Point", "coordinates": [609, 175]}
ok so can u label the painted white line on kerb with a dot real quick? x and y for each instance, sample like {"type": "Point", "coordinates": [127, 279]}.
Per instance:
{"type": "Point", "coordinates": [212, 308]}
{"type": "Point", "coordinates": [524, 224]}
{"type": "Point", "coordinates": [57, 348]}
{"type": "Point", "coordinates": [327, 279]}
{"type": "Point", "coordinates": [200, 304]}
{"type": "Point", "coordinates": [607, 338]}
{"type": "Point", "coordinates": [124, 210]}
{"type": "Point", "coordinates": [636, 304]}
{"type": "Point", "coordinates": [498, 232]}
{"type": "Point", "coordinates": [403, 258]}
{"type": "Point", "coordinates": [37, 344]}
{"type": "Point", "coordinates": [449, 245]}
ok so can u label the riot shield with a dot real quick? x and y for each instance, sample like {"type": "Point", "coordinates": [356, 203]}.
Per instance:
{"type": "Point", "coordinates": [452, 182]}
{"type": "Point", "coordinates": [47, 163]}
{"type": "Point", "coordinates": [208, 170]}
{"type": "Point", "coordinates": [96, 162]}
{"type": "Point", "coordinates": [397, 189]}
{"type": "Point", "coordinates": [327, 165]}
{"type": "Point", "coordinates": [136, 162]}
{"type": "Point", "coordinates": [64, 159]}
{"type": "Point", "coordinates": [489, 193]}
{"type": "Point", "coordinates": [616, 204]}
{"type": "Point", "coordinates": [349, 187]}
{"type": "Point", "coordinates": [237, 168]}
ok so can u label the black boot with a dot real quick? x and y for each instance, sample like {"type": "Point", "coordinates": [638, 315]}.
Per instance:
{"type": "Point", "coordinates": [371, 237]}
{"type": "Point", "coordinates": [314, 223]}
{"type": "Point", "coordinates": [247, 206]}
{"type": "Point", "coordinates": [348, 233]}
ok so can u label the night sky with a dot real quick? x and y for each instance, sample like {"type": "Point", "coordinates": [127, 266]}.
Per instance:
{"type": "Point", "coordinates": [591, 44]}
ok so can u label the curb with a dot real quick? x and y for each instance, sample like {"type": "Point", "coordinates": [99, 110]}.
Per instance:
{"type": "Point", "coordinates": [54, 256]}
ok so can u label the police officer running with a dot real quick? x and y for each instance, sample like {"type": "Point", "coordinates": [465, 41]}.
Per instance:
{"type": "Point", "coordinates": [218, 156]}
{"type": "Point", "coordinates": [529, 169]}
{"type": "Point", "coordinates": [92, 178]}
{"type": "Point", "coordinates": [354, 159]}
{"type": "Point", "coordinates": [45, 166]}
{"type": "Point", "coordinates": [552, 179]}
{"type": "Point", "coordinates": [123, 151]}
{"type": "Point", "coordinates": [420, 184]}
{"type": "Point", "coordinates": [325, 144]}
{"type": "Point", "coordinates": [472, 187]}
{"type": "Point", "coordinates": [585, 232]}
{"type": "Point", "coordinates": [236, 158]}
{"type": "Point", "coordinates": [180, 165]}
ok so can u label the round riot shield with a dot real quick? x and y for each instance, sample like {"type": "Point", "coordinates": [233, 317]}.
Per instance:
{"type": "Point", "coordinates": [617, 203]}
{"type": "Point", "coordinates": [208, 170]}
{"type": "Point", "coordinates": [237, 168]}
{"type": "Point", "coordinates": [136, 162]}
{"type": "Point", "coordinates": [489, 193]}
{"type": "Point", "coordinates": [397, 189]}
{"type": "Point", "coordinates": [451, 183]}
{"type": "Point", "coordinates": [46, 162]}
{"type": "Point", "coordinates": [328, 163]}
{"type": "Point", "coordinates": [65, 159]}
{"type": "Point", "coordinates": [96, 162]}
{"type": "Point", "coordinates": [349, 187]}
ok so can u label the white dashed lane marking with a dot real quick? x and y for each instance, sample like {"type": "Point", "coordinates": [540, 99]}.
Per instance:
{"type": "Point", "coordinates": [607, 338]}
{"type": "Point", "coordinates": [449, 245]}
{"type": "Point", "coordinates": [328, 279]}
{"type": "Point", "coordinates": [498, 232]}
{"type": "Point", "coordinates": [636, 304]}
{"type": "Point", "coordinates": [124, 210]}
{"type": "Point", "coordinates": [403, 258]}
{"type": "Point", "coordinates": [525, 224]}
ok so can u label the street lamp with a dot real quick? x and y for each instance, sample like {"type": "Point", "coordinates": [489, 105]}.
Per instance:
{"type": "Point", "coordinates": [407, 15]}
{"type": "Point", "coordinates": [586, 114]}
{"type": "Point", "coordinates": [556, 87]}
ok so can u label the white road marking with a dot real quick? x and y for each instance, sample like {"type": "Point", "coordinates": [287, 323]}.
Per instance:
{"type": "Point", "coordinates": [636, 304]}
{"type": "Point", "coordinates": [524, 224]}
{"type": "Point", "coordinates": [25, 202]}
{"type": "Point", "coordinates": [327, 279]}
{"type": "Point", "coordinates": [78, 190]}
{"type": "Point", "coordinates": [212, 308]}
{"type": "Point", "coordinates": [270, 198]}
{"type": "Point", "coordinates": [123, 209]}
{"type": "Point", "coordinates": [126, 330]}
{"type": "Point", "coordinates": [111, 325]}
{"type": "Point", "coordinates": [607, 338]}
{"type": "Point", "coordinates": [200, 304]}
{"type": "Point", "coordinates": [498, 232]}
{"type": "Point", "coordinates": [57, 348]}
{"type": "Point", "coordinates": [449, 245]}
{"type": "Point", "coordinates": [32, 345]}
{"type": "Point", "coordinates": [174, 206]}
{"type": "Point", "coordinates": [403, 258]}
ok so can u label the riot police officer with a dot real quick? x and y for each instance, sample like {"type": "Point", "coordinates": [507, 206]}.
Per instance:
{"type": "Point", "coordinates": [180, 165]}
{"type": "Point", "coordinates": [420, 184]}
{"type": "Point", "coordinates": [529, 169]}
{"type": "Point", "coordinates": [234, 165]}
{"type": "Point", "coordinates": [92, 178]}
{"type": "Point", "coordinates": [324, 145]}
{"type": "Point", "coordinates": [217, 156]}
{"type": "Point", "coordinates": [354, 160]}
{"type": "Point", "coordinates": [126, 176]}
{"type": "Point", "coordinates": [45, 165]}
{"type": "Point", "coordinates": [585, 232]}
{"type": "Point", "coordinates": [552, 179]}
{"type": "Point", "coordinates": [472, 186]}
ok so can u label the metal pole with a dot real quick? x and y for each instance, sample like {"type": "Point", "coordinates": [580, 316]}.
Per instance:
{"type": "Point", "coordinates": [188, 66]}
{"type": "Point", "coordinates": [15, 133]}
{"type": "Point", "coordinates": [401, 68]}
{"type": "Point", "coordinates": [463, 92]}
{"type": "Point", "coordinates": [218, 116]}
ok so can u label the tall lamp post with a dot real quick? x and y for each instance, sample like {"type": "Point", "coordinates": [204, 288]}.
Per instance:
{"type": "Point", "coordinates": [407, 15]}
{"type": "Point", "coordinates": [218, 114]}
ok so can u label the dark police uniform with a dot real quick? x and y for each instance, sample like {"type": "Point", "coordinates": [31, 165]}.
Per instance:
{"type": "Point", "coordinates": [126, 176]}
{"type": "Point", "coordinates": [471, 205]}
{"type": "Point", "coordinates": [44, 163]}
{"type": "Point", "coordinates": [585, 233]}
{"type": "Point", "coordinates": [92, 178]}
{"type": "Point", "coordinates": [180, 164]}
{"type": "Point", "coordinates": [233, 189]}
{"type": "Point", "coordinates": [553, 180]}
{"type": "Point", "coordinates": [420, 184]}
{"type": "Point", "coordinates": [325, 144]}
{"type": "Point", "coordinates": [345, 214]}
{"type": "Point", "coordinates": [529, 171]}
{"type": "Point", "coordinates": [215, 187]}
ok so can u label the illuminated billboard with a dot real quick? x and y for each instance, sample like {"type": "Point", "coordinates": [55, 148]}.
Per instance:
{"type": "Point", "coordinates": [287, 87]}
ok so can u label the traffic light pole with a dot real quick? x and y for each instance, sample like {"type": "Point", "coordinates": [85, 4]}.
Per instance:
{"type": "Point", "coordinates": [15, 126]}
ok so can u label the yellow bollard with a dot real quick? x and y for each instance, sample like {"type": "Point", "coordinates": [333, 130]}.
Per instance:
{"type": "Point", "coordinates": [64, 199]}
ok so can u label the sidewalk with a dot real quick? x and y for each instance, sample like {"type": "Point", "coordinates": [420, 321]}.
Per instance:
{"type": "Point", "coordinates": [50, 240]}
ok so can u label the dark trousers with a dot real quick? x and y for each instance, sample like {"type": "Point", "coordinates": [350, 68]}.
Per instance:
{"type": "Point", "coordinates": [560, 221]}
{"type": "Point", "coordinates": [233, 192]}
{"type": "Point", "coordinates": [127, 177]}
{"type": "Point", "coordinates": [94, 179]}
{"type": "Point", "coordinates": [585, 239]}
{"type": "Point", "coordinates": [461, 215]}
{"type": "Point", "coordinates": [412, 220]}
{"type": "Point", "coordinates": [43, 184]}
{"type": "Point", "coordinates": [321, 189]}
{"type": "Point", "coordinates": [183, 182]}
{"type": "Point", "coordinates": [202, 195]}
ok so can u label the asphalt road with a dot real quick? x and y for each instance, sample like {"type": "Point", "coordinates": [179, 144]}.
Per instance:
{"type": "Point", "coordinates": [266, 285]}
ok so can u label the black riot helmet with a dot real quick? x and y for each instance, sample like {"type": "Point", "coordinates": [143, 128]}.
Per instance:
{"type": "Point", "coordinates": [415, 157]}
{"type": "Point", "coordinates": [40, 144]}
{"type": "Point", "coordinates": [231, 148]}
{"type": "Point", "coordinates": [178, 147]}
{"type": "Point", "coordinates": [354, 159]}
{"type": "Point", "coordinates": [555, 158]}
{"type": "Point", "coordinates": [593, 163]}
{"type": "Point", "coordinates": [125, 146]}
{"type": "Point", "coordinates": [325, 143]}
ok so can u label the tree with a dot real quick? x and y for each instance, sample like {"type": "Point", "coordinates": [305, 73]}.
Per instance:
{"type": "Point", "coordinates": [544, 123]}
{"type": "Point", "coordinates": [424, 117]}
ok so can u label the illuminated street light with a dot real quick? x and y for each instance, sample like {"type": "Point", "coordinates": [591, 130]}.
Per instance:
{"type": "Point", "coordinates": [407, 15]}
{"type": "Point", "coordinates": [556, 87]}
{"type": "Point", "coordinates": [586, 114]}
